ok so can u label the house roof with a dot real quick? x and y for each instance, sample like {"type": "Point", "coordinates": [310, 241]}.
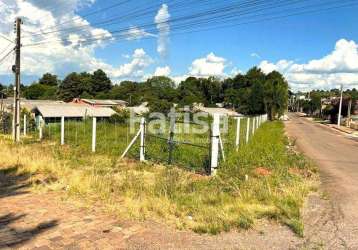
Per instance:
{"type": "Point", "coordinates": [104, 102]}
{"type": "Point", "coordinates": [29, 104]}
{"type": "Point", "coordinates": [72, 111]}
{"type": "Point", "coordinates": [220, 111]}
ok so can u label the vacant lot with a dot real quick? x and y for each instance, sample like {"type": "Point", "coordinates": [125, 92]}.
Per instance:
{"type": "Point", "coordinates": [264, 179]}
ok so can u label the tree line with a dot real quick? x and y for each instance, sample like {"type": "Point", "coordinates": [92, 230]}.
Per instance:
{"type": "Point", "coordinates": [321, 103]}
{"type": "Point", "coordinates": [252, 93]}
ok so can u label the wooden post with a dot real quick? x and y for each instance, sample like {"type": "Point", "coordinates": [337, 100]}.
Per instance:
{"type": "Point", "coordinates": [238, 120]}
{"type": "Point", "coordinates": [62, 130]}
{"type": "Point", "coordinates": [94, 134]}
{"type": "Point", "coordinates": [142, 140]}
{"type": "Point", "coordinates": [215, 133]}
{"type": "Point", "coordinates": [25, 128]}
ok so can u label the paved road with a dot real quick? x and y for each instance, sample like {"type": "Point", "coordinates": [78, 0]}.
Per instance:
{"type": "Point", "coordinates": [337, 158]}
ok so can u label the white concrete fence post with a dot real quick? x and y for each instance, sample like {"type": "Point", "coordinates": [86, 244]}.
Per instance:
{"type": "Point", "coordinates": [40, 127]}
{"type": "Point", "coordinates": [142, 140]}
{"type": "Point", "coordinates": [25, 128]}
{"type": "Point", "coordinates": [215, 134]}
{"type": "Point", "coordinates": [253, 125]}
{"type": "Point", "coordinates": [94, 134]}
{"type": "Point", "coordinates": [238, 130]}
{"type": "Point", "coordinates": [62, 130]}
{"type": "Point", "coordinates": [248, 130]}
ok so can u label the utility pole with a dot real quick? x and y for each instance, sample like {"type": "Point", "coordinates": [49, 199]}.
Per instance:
{"type": "Point", "coordinates": [16, 70]}
{"type": "Point", "coordinates": [340, 107]}
{"type": "Point", "coordinates": [349, 113]}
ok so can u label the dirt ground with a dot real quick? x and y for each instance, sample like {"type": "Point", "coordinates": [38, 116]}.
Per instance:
{"type": "Point", "coordinates": [45, 221]}
{"type": "Point", "coordinates": [30, 220]}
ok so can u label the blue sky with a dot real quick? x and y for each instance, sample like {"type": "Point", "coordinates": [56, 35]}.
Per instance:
{"type": "Point", "coordinates": [317, 50]}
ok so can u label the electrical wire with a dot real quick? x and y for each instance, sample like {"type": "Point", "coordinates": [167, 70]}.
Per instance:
{"type": "Point", "coordinates": [222, 11]}
{"type": "Point", "coordinates": [188, 26]}
{"type": "Point", "coordinates": [88, 14]}
{"type": "Point", "coordinates": [7, 54]}
{"type": "Point", "coordinates": [4, 37]}
{"type": "Point", "coordinates": [7, 47]}
{"type": "Point", "coordinates": [137, 13]}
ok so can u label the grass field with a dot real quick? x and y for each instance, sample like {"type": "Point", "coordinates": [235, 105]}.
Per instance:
{"type": "Point", "coordinates": [264, 179]}
{"type": "Point", "coordinates": [190, 150]}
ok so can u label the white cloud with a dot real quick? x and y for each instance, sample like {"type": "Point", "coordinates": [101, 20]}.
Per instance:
{"type": "Point", "coordinates": [66, 51]}
{"type": "Point", "coordinates": [162, 71]}
{"type": "Point", "coordinates": [255, 55]}
{"type": "Point", "coordinates": [162, 21]}
{"type": "Point", "coordinates": [135, 33]}
{"type": "Point", "coordinates": [338, 67]}
{"type": "Point", "coordinates": [63, 51]}
{"type": "Point", "coordinates": [135, 68]}
{"type": "Point", "coordinates": [178, 79]}
{"type": "Point", "coordinates": [211, 65]}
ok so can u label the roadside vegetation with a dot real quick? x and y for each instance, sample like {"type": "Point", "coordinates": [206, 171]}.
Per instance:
{"type": "Point", "coordinates": [324, 104]}
{"type": "Point", "coordinates": [264, 179]}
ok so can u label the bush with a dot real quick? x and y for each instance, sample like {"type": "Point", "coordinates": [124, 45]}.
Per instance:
{"type": "Point", "coordinates": [120, 117]}
{"type": "Point", "coordinates": [5, 122]}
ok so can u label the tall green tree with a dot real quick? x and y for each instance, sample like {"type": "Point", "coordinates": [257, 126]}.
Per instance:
{"type": "Point", "coordinates": [231, 97]}
{"type": "Point", "coordinates": [71, 87]}
{"type": "Point", "coordinates": [161, 82]}
{"type": "Point", "coordinates": [276, 95]}
{"type": "Point", "coordinates": [38, 91]}
{"type": "Point", "coordinates": [49, 80]}
{"type": "Point", "coordinates": [100, 82]}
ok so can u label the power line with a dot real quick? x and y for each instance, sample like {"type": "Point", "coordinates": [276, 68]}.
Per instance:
{"type": "Point", "coordinates": [119, 18]}
{"type": "Point", "coordinates": [89, 14]}
{"type": "Point", "coordinates": [233, 16]}
{"type": "Point", "coordinates": [2, 36]}
{"type": "Point", "coordinates": [7, 54]}
{"type": "Point", "coordinates": [8, 46]}
{"type": "Point", "coordinates": [206, 13]}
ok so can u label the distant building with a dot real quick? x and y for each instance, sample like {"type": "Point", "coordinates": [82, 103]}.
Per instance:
{"type": "Point", "coordinates": [139, 110]}
{"type": "Point", "coordinates": [212, 111]}
{"type": "Point", "coordinates": [355, 111]}
{"type": "Point", "coordinates": [8, 103]}
{"type": "Point", "coordinates": [54, 112]}
{"type": "Point", "coordinates": [101, 103]}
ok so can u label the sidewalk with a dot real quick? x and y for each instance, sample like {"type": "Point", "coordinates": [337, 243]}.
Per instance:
{"type": "Point", "coordinates": [343, 129]}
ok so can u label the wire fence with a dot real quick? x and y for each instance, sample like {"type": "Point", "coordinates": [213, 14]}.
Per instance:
{"type": "Point", "coordinates": [177, 143]}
